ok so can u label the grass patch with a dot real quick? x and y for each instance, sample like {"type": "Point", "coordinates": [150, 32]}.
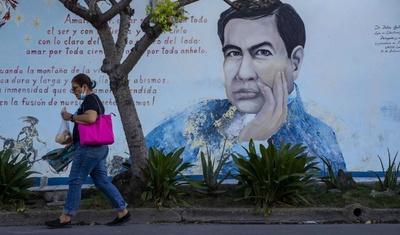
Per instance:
{"type": "Point", "coordinates": [93, 199]}
{"type": "Point", "coordinates": [360, 194]}
{"type": "Point", "coordinates": [318, 196]}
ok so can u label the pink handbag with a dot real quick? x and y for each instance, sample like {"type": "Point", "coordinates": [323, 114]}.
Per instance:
{"type": "Point", "coordinates": [98, 133]}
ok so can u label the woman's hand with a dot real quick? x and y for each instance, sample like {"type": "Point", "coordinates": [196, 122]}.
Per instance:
{"type": "Point", "coordinates": [88, 117]}
{"type": "Point", "coordinates": [65, 115]}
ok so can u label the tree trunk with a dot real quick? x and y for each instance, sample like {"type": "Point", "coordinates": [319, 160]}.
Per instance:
{"type": "Point", "coordinates": [134, 137]}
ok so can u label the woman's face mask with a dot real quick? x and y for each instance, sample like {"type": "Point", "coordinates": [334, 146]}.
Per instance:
{"type": "Point", "coordinates": [83, 94]}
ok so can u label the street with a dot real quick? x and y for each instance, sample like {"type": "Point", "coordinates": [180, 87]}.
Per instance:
{"type": "Point", "coordinates": [210, 229]}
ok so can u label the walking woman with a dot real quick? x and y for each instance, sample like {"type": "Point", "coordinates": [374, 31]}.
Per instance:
{"type": "Point", "coordinates": [88, 160]}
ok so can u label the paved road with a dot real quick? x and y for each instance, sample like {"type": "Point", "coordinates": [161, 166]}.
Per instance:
{"type": "Point", "coordinates": [211, 229]}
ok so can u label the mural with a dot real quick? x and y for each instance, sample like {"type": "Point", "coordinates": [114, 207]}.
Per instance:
{"type": "Point", "coordinates": [328, 78]}
{"type": "Point", "coordinates": [23, 144]}
{"type": "Point", "coordinates": [263, 48]}
{"type": "Point", "coordinates": [5, 10]}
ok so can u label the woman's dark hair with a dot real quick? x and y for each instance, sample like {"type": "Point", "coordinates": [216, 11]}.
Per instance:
{"type": "Point", "coordinates": [290, 25]}
{"type": "Point", "coordinates": [82, 79]}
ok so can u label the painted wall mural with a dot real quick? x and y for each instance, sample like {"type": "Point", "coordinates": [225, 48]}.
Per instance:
{"type": "Point", "coordinates": [326, 77]}
{"type": "Point", "coordinates": [263, 49]}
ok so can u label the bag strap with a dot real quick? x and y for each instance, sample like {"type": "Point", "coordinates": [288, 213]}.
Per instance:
{"type": "Point", "coordinates": [83, 106]}
{"type": "Point", "coordinates": [95, 97]}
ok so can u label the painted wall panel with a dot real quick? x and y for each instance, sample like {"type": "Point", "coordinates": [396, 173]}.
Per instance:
{"type": "Point", "coordinates": [348, 78]}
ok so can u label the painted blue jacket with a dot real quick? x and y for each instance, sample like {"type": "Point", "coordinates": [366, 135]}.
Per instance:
{"type": "Point", "coordinates": [210, 122]}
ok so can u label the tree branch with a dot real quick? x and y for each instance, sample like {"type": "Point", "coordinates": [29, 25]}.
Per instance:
{"type": "Point", "coordinates": [76, 8]}
{"type": "Point", "coordinates": [122, 38]}
{"type": "Point", "coordinates": [92, 6]}
{"type": "Point", "coordinates": [233, 4]}
{"type": "Point", "coordinates": [145, 25]}
{"type": "Point", "coordinates": [151, 34]}
{"type": "Point", "coordinates": [116, 9]}
{"type": "Point", "coordinates": [183, 3]}
{"type": "Point", "coordinates": [93, 15]}
{"type": "Point", "coordinates": [237, 4]}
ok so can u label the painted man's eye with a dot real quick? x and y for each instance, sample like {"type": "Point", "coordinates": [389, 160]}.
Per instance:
{"type": "Point", "coordinates": [232, 54]}
{"type": "Point", "coordinates": [263, 52]}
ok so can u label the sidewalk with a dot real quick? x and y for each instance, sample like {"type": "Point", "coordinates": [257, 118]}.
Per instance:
{"type": "Point", "coordinates": [350, 214]}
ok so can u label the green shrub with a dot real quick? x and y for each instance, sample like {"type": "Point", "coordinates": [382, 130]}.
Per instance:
{"type": "Point", "coordinates": [210, 183]}
{"type": "Point", "coordinates": [278, 176]}
{"type": "Point", "coordinates": [15, 179]}
{"type": "Point", "coordinates": [164, 176]}
{"type": "Point", "coordinates": [340, 181]}
{"type": "Point", "coordinates": [329, 178]}
{"type": "Point", "coordinates": [391, 173]}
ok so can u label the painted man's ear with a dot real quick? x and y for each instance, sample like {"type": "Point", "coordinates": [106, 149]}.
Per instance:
{"type": "Point", "coordinates": [296, 60]}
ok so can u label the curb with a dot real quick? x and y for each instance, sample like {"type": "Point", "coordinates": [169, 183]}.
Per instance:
{"type": "Point", "coordinates": [350, 214]}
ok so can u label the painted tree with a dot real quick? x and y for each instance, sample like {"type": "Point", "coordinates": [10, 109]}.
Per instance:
{"type": "Point", "coordinates": [5, 10]}
{"type": "Point", "coordinates": [117, 69]}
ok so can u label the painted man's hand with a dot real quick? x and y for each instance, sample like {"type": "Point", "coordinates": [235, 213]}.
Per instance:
{"type": "Point", "coordinates": [272, 114]}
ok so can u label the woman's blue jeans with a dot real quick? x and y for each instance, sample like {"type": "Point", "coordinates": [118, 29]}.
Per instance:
{"type": "Point", "coordinates": [90, 160]}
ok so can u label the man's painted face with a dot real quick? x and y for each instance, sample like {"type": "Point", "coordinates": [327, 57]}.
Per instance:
{"type": "Point", "coordinates": [254, 52]}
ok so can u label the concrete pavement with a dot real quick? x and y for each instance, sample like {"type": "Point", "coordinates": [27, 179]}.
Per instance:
{"type": "Point", "coordinates": [350, 214]}
{"type": "Point", "coordinates": [298, 215]}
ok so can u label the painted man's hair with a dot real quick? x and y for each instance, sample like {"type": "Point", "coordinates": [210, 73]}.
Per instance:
{"type": "Point", "coordinates": [289, 23]}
